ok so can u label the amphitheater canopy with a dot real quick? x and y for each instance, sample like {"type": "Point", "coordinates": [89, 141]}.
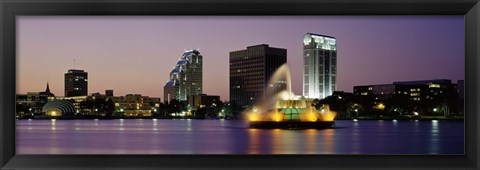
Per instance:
{"type": "Point", "coordinates": [58, 108]}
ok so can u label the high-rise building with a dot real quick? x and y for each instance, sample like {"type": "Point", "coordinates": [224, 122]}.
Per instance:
{"type": "Point", "coordinates": [76, 83]}
{"type": "Point", "coordinates": [109, 93]}
{"type": "Point", "coordinates": [251, 70]}
{"type": "Point", "coordinates": [185, 78]}
{"type": "Point", "coordinates": [319, 65]}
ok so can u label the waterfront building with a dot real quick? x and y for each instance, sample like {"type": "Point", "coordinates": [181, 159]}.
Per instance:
{"type": "Point", "coordinates": [32, 102]}
{"type": "Point", "coordinates": [438, 96]}
{"type": "Point", "coordinates": [57, 108]}
{"type": "Point", "coordinates": [319, 65]}
{"type": "Point", "coordinates": [437, 89]}
{"type": "Point", "coordinates": [251, 70]}
{"type": "Point", "coordinates": [185, 78]}
{"type": "Point", "coordinates": [381, 91]}
{"type": "Point", "coordinates": [136, 105]}
{"type": "Point", "coordinates": [87, 105]}
{"type": "Point", "coordinates": [202, 100]}
{"type": "Point", "coordinates": [76, 83]}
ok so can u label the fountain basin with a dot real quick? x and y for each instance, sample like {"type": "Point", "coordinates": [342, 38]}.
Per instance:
{"type": "Point", "coordinates": [292, 125]}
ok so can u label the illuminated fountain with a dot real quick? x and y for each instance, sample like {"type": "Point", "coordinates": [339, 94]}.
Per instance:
{"type": "Point", "coordinates": [282, 109]}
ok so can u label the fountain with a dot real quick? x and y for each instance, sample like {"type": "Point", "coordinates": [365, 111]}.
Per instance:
{"type": "Point", "coordinates": [283, 109]}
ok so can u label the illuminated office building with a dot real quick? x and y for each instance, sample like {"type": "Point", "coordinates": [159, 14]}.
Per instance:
{"type": "Point", "coordinates": [185, 78]}
{"type": "Point", "coordinates": [76, 83]}
{"type": "Point", "coordinates": [319, 65]}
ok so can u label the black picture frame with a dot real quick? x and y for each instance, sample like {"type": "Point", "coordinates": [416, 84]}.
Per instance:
{"type": "Point", "coordinates": [9, 9]}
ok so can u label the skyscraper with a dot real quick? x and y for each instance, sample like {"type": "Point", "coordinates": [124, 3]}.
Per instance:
{"type": "Point", "coordinates": [319, 65]}
{"type": "Point", "coordinates": [251, 69]}
{"type": "Point", "coordinates": [185, 78]}
{"type": "Point", "coordinates": [76, 83]}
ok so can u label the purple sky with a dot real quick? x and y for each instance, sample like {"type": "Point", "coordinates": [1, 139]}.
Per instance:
{"type": "Point", "coordinates": [136, 54]}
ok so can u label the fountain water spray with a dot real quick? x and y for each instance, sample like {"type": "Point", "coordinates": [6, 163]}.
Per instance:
{"type": "Point", "coordinates": [280, 107]}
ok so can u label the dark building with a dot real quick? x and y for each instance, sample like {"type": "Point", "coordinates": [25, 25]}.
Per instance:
{"type": "Point", "coordinates": [411, 90]}
{"type": "Point", "coordinates": [32, 102]}
{"type": "Point", "coordinates": [382, 91]}
{"type": "Point", "coordinates": [109, 93]}
{"type": "Point", "coordinates": [461, 88]}
{"type": "Point", "coordinates": [251, 70]}
{"type": "Point", "coordinates": [439, 96]}
{"type": "Point", "coordinates": [76, 83]}
{"type": "Point", "coordinates": [438, 90]}
{"type": "Point", "coordinates": [202, 100]}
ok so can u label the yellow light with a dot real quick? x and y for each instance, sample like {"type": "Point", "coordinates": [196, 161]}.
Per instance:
{"type": "Point", "coordinates": [252, 117]}
{"type": "Point", "coordinates": [380, 106]}
{"type": "Point", "coordinates": [277, 117]}
{"type": "Point", "coordinates": [312, 117]}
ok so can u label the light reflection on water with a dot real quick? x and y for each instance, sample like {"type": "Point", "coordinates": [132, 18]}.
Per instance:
{"type": "Point", "coordinates": [158, 136]}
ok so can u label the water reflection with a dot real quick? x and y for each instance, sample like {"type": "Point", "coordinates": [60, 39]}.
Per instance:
{"type": "Point", "coordinates": [277, 141]}
{"type": "Point", "coordinates": [53, 124]}
{"type": "Point", "coordinates": [253, 140]}
{"type": "Point", "coordinates": [311, 141]}
{"type": "Point", "coordinates": [328, 144]}
{"type": "Point", "coordinates": [233, 137]}
{"type": "Point", "coordinates": [434, 137]}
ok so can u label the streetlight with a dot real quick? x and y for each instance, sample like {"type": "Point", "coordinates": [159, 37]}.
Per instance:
{"type": "Point", "coordinates": [434, 109]}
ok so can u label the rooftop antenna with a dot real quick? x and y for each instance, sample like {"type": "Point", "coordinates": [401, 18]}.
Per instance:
{"type": "Point", "coordinates": [74, 63]}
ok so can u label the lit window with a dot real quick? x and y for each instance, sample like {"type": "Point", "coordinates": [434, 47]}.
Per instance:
{"type": "Point", "coordinates": [434, 86]}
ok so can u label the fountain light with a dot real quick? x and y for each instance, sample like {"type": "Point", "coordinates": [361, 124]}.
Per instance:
{"type": "Point", "coordinates": [286, 110]}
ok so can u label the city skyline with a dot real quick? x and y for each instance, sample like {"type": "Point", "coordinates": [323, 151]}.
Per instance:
{"type": "Point", "coordinates": [133, 55]}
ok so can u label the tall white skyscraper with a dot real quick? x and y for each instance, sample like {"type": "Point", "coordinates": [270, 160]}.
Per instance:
{"type": "Point", "coordinates": [319, 65]}
{"type": "Point", "coordinates": [185, 78]}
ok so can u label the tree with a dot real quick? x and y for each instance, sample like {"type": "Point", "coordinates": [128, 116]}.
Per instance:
{"type": "Point", "coordinates": [109, 107]}
{"type": "Point", "coordinates": [232, 110]}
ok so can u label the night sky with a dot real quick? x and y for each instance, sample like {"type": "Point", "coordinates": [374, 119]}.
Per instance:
{"type": "Point", "coordinates": [136, 54]}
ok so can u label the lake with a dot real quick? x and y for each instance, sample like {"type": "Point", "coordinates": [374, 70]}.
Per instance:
{"type": "Point", "coordinates": [186, 136]}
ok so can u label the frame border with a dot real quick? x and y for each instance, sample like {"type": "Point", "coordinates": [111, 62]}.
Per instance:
{"type": "Point", "coordinates": [11, 8]}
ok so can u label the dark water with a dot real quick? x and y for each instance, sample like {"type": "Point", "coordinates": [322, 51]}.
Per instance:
{"type": "Point", "coordinates": [136, 136]}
